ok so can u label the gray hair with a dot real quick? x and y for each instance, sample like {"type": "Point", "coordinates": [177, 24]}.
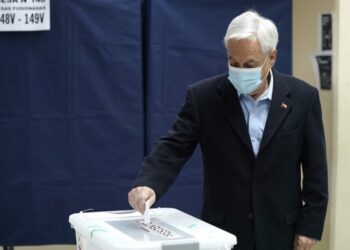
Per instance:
{"type": "Point", "coordinates": [250, 25]}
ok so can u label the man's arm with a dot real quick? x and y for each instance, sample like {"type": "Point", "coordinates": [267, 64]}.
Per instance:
{"type": "Point", "coordinates": [169, 154]}
{"type": "Point", "coordinates": [315, 179]}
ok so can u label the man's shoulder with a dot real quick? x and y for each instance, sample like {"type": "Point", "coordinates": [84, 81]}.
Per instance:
{"type": "Point", "coordinates": [209, 84]}
{"type": "Point", "coordinates": [295, 84]}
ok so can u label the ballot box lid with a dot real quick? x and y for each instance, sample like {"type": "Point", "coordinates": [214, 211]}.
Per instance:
{"type": "Point", "coordinates": [168, 229]}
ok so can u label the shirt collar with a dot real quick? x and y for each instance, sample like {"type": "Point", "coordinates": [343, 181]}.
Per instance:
{"type": "Point", "coordinates": [268, 92]}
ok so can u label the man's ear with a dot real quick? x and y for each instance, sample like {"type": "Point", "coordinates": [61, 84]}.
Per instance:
{"type": "Point", "coordinates": [273, 57]}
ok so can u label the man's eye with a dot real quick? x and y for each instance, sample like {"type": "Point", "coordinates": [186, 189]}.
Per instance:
{"type": "Point", "coordinates": [236, 65]}
{"type": "Point", "coordinates": [248, 66]}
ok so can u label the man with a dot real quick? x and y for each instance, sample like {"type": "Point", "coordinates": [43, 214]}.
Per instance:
{"type": "Point", "coordinates": [257, 129]}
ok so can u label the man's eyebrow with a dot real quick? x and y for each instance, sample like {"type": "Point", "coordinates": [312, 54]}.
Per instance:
{"type": "Point", "coordinates": [252, 61]}
{"type": "Point", "coordinates": [249, 61]}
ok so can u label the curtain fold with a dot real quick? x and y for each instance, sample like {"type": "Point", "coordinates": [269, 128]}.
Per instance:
{"type": "Point", "coordinates": [81, 104]}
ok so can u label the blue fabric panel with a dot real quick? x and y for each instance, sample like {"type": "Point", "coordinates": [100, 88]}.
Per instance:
{"type": "Point", "coordinates": [185, 44]}
{"type": "Point", "coordinates": [71, 118]}
{"type": "Point", "coordinates": [72, 115]}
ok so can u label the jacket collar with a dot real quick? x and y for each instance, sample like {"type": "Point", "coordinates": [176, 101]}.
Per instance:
{"type": "Point", "coordinates": [281, 104]}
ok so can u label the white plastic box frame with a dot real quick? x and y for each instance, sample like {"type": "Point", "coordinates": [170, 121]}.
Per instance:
{"type": "Point", "coordinates": [169, 229]}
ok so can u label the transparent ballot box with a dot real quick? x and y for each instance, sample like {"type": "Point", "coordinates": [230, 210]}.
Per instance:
{"type": "Point", "coordinates": [168, 229]}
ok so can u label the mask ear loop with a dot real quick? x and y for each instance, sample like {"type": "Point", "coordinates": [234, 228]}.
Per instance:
{"type": "Point", "coordinates": [263, 79]}
{"type": "Point", "coordinates": [268, 70]}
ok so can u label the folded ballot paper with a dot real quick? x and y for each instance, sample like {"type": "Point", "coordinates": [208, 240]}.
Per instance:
{"type": "Point", "coordinates": [164, 229]}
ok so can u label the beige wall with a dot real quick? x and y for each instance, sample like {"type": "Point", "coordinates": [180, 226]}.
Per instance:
{"type": "Point", "coordinates": [335, 104]}
{"type": "Point", "coordinates": [340, 217]}
{"type": "Point", "coordinates": [305, 44]}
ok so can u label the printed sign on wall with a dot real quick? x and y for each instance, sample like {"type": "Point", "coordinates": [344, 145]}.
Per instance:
{"type": "Point", "coordinates": [326, 32]}
{"type": "Point", "coordinates": [323, 59]}
{"type": "Point", "coordinates": [24, 15]}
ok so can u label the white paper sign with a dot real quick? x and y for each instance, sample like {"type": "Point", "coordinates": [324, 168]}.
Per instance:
{"type": "Point", "coordinates": [24, 15]}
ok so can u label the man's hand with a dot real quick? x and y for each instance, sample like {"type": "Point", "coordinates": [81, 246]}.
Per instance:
{"type": "Point", "coordinates": [139, 195]}
{"type": "Point", "coordinates": [304, 243]}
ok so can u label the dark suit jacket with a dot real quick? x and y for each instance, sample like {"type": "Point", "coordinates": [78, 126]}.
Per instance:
{"type": "Point", "coordinates": [259, 199]}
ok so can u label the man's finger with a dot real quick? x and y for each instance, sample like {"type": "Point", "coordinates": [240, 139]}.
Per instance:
{"type": "Point", "coordinates": [304, 243]}
{"type": "Point", "coordinates": [138, 196]}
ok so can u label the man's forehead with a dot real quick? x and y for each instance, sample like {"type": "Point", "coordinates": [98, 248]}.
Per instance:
{"type": "Point", "coordinates": [244, 48]}
{"type": "Point", "coordinates": [244, 41]}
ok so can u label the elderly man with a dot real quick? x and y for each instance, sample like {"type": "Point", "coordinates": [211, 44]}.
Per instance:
{"type": "Point", "coordinates": [257, 129]}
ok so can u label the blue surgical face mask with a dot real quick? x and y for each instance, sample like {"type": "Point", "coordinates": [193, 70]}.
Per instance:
{"type": "Point", "coordinates": [245, 80]}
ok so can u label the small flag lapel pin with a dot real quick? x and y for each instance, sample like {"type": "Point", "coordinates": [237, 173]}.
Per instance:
{"type": "Point", "coordinates": [284, 106]}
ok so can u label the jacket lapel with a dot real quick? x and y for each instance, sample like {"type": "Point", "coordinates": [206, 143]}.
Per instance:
{"type": "Point", "coordinates": [279, 108]}
{"type": "Point", "coordinates": [229, 103]}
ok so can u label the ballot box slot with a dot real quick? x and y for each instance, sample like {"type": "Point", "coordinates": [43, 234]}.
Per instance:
{"type": "Point", "coordinates": [156, 230]}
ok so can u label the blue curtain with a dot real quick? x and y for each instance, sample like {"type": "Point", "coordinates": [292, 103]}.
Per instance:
{"type": "Point", "coordinates": [81, 104]}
